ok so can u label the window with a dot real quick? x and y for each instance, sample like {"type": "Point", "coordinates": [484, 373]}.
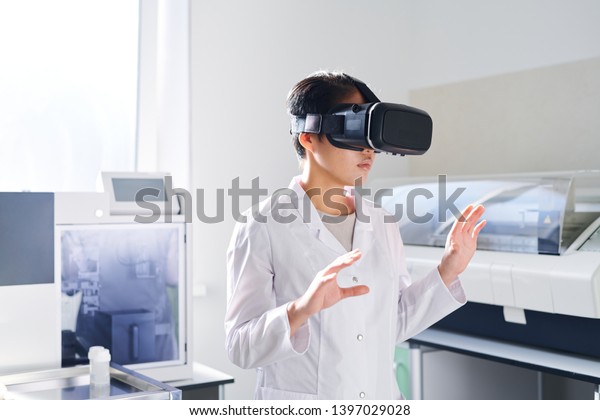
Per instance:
{"type": "Point", "coordinates": [68, 92]}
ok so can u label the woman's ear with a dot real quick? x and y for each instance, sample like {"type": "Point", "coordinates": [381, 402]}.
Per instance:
{"type": "Point", "coordinates": [307, 141]}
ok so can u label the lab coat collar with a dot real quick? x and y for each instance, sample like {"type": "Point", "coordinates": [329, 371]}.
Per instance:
{"type": "Point", "coordinates": [310, 216]}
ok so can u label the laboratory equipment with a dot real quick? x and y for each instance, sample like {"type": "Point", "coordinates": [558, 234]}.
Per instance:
{"type": "Point", "coordinates": [73, 383]}
{"type": "Point", "coordinates": [133, 278]}
{"type": "Point", "coordinates": [535, 278]}
{"type": "Point", "coordinates": [75, 273]}
{"type": "Point", "coordinates": [29, 302]}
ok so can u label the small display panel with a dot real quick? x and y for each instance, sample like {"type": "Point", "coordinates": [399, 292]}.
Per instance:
{"type": "Point", "coordinates": [123, 288]}
{"type": "Point", "coordinates": [126, 189]}
{"type": "Point", "coordinates": [154, 192]}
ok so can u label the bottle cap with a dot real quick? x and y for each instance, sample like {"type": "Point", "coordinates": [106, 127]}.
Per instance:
{"type": "Point", "coordinates": [93, 350]}
{"type": "Point", "coordinates": [102, 355]}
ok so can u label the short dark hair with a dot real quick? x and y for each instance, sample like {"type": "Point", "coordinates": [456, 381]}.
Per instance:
{"type": "Point", "coordinates": [317, 94]}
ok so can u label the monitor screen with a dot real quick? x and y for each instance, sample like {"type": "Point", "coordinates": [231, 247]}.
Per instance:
{"type": "Point", "coordinates": [26, 238]}
{"type": "Point", "coordinates": [125, 189]}
{"type": "Point", "coordinates": [123, 287]}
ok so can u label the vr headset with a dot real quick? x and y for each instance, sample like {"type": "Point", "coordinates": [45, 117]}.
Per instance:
{"type": "Point", "coordinates": [381, 126]}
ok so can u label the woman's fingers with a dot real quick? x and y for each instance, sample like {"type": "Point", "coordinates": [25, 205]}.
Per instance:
{"type": "Point", "coordinates": [465, 214]}
{"type": "Point", "coordinates": [353, 291]}
{"type": "Point", "coordinates": [343, 261]}
{"type": "Point", "coordinates": [478, 228]}
{"type": "Point", "coordinates": [466, 221]}
{"type": "Point", "coordinates": [460, 221]}
{"type": "Point", "coordinates": [473, 217]}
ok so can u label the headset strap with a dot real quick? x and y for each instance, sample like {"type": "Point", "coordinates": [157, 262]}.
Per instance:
{"type": "Point", "coordinates": [317, 123]}
{"type": "Point", "coordinates": [364, 90]}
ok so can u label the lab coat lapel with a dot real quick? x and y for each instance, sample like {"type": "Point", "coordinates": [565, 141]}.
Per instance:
{"type": "Point", "coordinates": [363, 228]}
{"type": "Point", "coordinates": [328, 239]}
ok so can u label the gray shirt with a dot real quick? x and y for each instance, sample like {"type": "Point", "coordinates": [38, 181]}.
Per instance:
{"type": "Point", "coordinates": [342, 227]}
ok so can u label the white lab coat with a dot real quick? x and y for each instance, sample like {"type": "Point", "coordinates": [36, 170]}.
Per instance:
{"type": "Point", "coordinates": [347, 350]}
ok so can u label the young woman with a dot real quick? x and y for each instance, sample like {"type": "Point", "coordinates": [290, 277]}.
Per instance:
{"type": "Point", "coordinates": [318, 297]}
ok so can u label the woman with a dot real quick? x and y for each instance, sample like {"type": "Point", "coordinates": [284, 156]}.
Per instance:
{"type": "Point", "coordinates": [318, 297]}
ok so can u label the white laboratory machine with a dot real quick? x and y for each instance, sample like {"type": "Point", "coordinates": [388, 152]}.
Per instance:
{"type": "Point", "coordinates": [116, 273]}
{"type": "Point", "coordinates": [535, 278]}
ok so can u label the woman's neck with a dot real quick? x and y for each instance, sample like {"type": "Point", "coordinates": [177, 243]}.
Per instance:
{"type": "Point", "coordinates": [327, 195]}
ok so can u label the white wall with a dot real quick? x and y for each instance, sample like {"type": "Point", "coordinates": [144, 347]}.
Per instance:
{"type": "Point", "coordinates": [245, 55]}
{"type": "Point", "coordinates": [468, 39]}
{"type": "Point", "coordinates": [537, 120]}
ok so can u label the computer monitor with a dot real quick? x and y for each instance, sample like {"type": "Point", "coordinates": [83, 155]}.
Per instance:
{"type": "Point", "coordinates": [26, 238]}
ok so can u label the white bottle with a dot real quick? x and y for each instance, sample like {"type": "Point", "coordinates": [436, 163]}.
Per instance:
{"type": "Point", "coordinates": [99, 372]}
{"type": "Point", "coordinates": [92, 350]}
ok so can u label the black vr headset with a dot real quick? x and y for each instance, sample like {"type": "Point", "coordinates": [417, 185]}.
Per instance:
{"type": "Point", "coordinates": [381, 126]}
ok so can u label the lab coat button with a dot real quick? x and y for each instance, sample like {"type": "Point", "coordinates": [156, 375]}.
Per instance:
{"type": "Point", "coordinates": [355, 279]}
{"type": "Point", "coordinates": [361, 395]}
{"type": "Point", "coordinates": [359, 337]}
